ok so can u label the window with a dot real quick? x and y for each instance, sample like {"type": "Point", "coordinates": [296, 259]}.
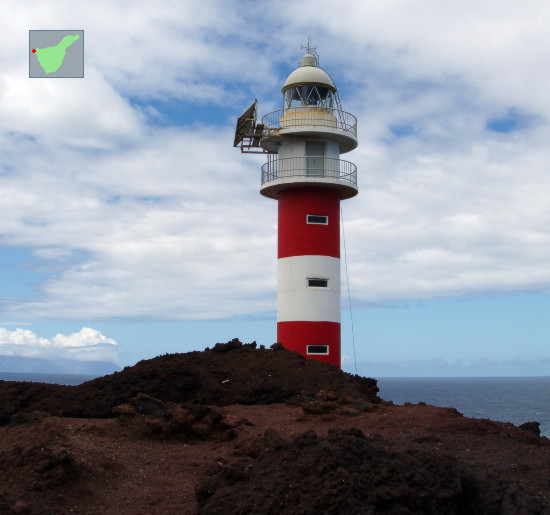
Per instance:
{"type": "Point", "coordinates": [315, 148]}
{"type": "Point", "coordinates": [317, 283]}
{"type": "Point", "coordinates": [317, 219]}
{"type": "Point", "coordinates": [317, 349]}
{"type": "Point", "coordinates": [325, 95]}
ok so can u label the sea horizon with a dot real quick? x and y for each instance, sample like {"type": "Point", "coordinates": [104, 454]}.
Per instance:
{"type": "Point", "coordinates": [504, 399]}
{"type": "Point", "coordinates": [9, 376]}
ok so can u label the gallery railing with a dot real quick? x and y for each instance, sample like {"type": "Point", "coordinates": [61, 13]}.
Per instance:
{"type": "Point", "coordinates": [310, 116]}
{"type": "Point", "coordinates": [311, 167]}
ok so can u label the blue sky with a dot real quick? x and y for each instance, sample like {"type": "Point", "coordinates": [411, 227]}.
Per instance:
{"type": "Point", "coordinates": [130, 226]}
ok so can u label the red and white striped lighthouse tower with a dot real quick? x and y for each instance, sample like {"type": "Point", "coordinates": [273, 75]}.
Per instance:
{"type": "Point", "coordinates": [305, 174]}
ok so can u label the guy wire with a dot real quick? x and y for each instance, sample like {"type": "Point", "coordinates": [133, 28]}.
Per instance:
{"type": "Point", "coordinates": [347, 281]}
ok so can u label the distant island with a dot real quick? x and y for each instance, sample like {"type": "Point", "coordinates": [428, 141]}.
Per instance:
{"type": "Point", "coordinates": [51, 58]}
{"type": "Point", "coordinates": [26, 365]}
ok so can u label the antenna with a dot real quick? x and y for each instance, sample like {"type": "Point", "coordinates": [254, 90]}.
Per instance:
{"type": "Point", "coordinates": [311, 50]}
{"type": "Point", "coordinates": [248, 133]}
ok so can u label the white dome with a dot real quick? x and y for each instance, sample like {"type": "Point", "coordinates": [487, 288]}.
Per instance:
{"type": "Point", "coordinates": [308, 74]}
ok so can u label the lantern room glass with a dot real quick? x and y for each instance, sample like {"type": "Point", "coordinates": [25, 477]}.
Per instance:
{"type": "Point", "coordinates": [308, 95]}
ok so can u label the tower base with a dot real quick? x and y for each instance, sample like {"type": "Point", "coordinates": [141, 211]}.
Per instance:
{"type": "Point", "coordinates": [315, 340]}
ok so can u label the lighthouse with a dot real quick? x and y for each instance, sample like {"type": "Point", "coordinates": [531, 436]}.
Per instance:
{"type": "Point", "coordinates": [304, 173]}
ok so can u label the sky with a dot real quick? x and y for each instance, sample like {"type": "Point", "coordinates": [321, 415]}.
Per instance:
{"type": "Point", "coordinates": [130, 226]}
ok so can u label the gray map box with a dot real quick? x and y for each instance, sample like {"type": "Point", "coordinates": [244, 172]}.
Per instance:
{"type": "Point", "coordinates": [73, 62]}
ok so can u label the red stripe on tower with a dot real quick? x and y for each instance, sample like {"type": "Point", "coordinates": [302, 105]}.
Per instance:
{"type": "Point", "coordinates": [311, 338]}
{"type": "Point", "coordinates": [309, 222]}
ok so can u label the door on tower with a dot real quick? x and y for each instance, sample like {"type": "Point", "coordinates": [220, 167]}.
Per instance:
{"type": "Point", "coordinates": [315, 158]}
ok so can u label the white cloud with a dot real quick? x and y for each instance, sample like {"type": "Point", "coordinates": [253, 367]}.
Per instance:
{"type": "Point", "coordinates": [86, 113]}
{"type": "Point", "coordinates": [86, 345]}
{"type": "Point", "coordinates": [447, 225]}
{"type": "Point", "coordinates": [155, 231]}
{"type": "Point", "coordinates": [496, 47]}
{"type": "Point", "coordinates": [183, 49]}
{"type": "Point", "coordinates": [137, 220]}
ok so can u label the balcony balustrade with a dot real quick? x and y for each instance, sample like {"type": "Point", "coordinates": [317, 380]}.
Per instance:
{"type": "Point", "coordinates": [310, 116]}
{"type": "Point", "coordinates": [311, 167]}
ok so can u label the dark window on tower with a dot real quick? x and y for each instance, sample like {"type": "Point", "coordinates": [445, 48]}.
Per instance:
{"type": "Point", "coordinates": [317, 349]}
{"type": "Point", "coordinates": [317, 219]}
{"type": "Point", "coordinates": [317, 283]}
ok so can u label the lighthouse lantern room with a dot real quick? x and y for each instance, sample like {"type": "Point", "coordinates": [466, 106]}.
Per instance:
{"type": "Point", "coordinates": [304, 173]}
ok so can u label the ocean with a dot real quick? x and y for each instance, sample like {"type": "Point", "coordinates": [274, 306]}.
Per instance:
{"type": "Point", "coordinates": [507, 399]}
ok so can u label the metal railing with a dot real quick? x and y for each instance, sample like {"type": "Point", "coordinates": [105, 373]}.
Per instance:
{"type": "Point", "coordinates": [311, 167]}
{"type": "Point", "coordinates": [310, 116]}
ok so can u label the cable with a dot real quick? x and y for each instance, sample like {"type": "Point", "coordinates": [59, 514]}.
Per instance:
{"type": "Point", "coordinates": [347, 281]}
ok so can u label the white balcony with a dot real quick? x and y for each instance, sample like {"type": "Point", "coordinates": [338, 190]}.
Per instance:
{"type": "Point", "coordinates": [310, 120]}
{"type": "Point", "coordinates": [325, 172]}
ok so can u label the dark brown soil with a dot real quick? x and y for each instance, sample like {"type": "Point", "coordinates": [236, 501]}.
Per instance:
{"type": "Point", "coordinates": [245, 430]}
{"type": "Point", "coordinates": [231, 373]}
{"type": "Point", "coordinates": [345, 472]}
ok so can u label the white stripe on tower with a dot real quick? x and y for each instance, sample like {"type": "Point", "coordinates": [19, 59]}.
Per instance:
{"type": "Point", "coordinates": [297, 300]}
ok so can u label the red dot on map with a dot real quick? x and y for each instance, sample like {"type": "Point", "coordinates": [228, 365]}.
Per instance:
{"type": "Point", "coordinates": [34, 50]}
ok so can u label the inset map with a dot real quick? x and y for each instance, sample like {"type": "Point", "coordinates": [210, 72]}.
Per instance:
{"type": "Point", "coordinates": [56, 53]}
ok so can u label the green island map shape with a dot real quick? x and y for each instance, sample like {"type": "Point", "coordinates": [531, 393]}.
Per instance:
{"type": "Point", "coordinates": [51, 57]}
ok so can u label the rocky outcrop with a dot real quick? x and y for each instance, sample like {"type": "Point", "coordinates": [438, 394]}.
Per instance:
{"type": "Point", "coordinates": [230, 373]}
